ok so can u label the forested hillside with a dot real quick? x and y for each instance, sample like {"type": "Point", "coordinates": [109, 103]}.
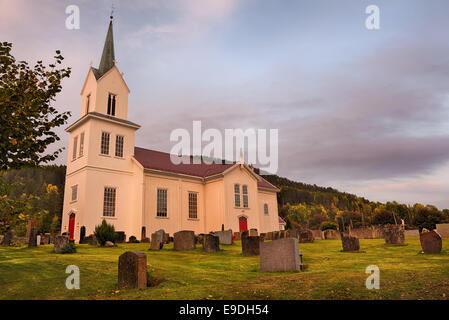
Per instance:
{"type": "Point", "coordinates": [313, 205]}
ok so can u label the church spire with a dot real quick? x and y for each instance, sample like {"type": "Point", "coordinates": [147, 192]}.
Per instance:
{"type": "Point", "coordinates": [108, 56]}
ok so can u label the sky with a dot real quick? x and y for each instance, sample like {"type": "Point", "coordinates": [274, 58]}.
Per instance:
{"type": "Point", "coordinates": [363, 111]}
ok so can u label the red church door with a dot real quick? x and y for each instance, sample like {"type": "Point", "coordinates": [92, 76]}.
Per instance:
{"type": "Point", "coordinates": [243, 224]}
{"type": "Point", "coordinates": [72, 226]}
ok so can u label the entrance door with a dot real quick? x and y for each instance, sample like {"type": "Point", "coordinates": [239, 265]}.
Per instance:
{"type": "Point", "coordinates": [72, 226]}
{"type": "Point", "coordinates": [243, 224]}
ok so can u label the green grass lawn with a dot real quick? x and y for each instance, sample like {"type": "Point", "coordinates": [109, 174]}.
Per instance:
{"type": "Point", "coordinates": [405, 273]}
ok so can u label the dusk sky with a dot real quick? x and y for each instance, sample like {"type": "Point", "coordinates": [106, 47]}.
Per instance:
{"type": "Point", "coordinates": [363, 111]}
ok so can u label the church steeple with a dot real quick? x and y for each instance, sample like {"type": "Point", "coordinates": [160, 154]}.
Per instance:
{"type": "Point", "coordinates": [108, 56]}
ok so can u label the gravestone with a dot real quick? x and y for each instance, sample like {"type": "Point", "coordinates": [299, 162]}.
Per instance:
{"type": "Point", "coordinates": [91, 239]}
{"type": "Point", "coordinates": [306, 236]}
{"type": "Point", "coordinates": [431, 242]}
{"type": "Point", "coordinates": [293, 233]}
{"type": "Point", "coordinates": [184, 240]}
{"type": "Point", "coordinates": [132, 270]}
{"type": "Point", "coordinates": [280, 255]}
{"type": "Point", "coordinates": [269, 236]}
{"type": "Point", "coordinates": [211, 243]}
{"type": "Point", "coordinates": [145, 240]}
{"type": "Point", "coordinates": [253, 233]}
{"type": "Point", "coordinates": [162, 234]}
{"type": "Point", "coordinates": [250, 246]}
{"type": "Point", "coordinates": [275, 235]}
{"type": "Point", "coordinates": [121, 237]}
{"type": "Point", "coordinates": [32, 236]}
{"type": "Point", "coordinates": [82, 233]}
{"type": "Point", "coordinates": [225, 237]}
{"type": "Point", "coordinates": [393, 234]}
{"type": "Point", "coordinates": [244, 234]}
{"type": "Point", "coordinates": [143, 233]}
{"type": "Point", "coordinates": [60, 242]}
{"type": "Point", "coordinates": [331, 234]}
{"type": "Point", "coordinates": [156, 242]}
{"type": "Point", "coordinates": [45, 239]}
{"type": "Point", "coordinates": [350, 243]}
{"type": "Point", "coordinates": [262, 237]}
{"type": "Point", "coordinates": [132, 239]}
{"type": "Point", "coordinates": [109, 244]}
{"type": "Point", "coordinates": [38, 240]}
{"type": "Point", "coordinates": [9, 236]}
{"type": "Point", "coordinates": [166, 238]}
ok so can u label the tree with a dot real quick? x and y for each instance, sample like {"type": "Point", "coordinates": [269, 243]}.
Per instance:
{"type": "Point", "coordinates": [383, 216]}
{"type": "Point", "coordinates": [427, 217]}
{"type": "Point", "coordinates": [27, 117]}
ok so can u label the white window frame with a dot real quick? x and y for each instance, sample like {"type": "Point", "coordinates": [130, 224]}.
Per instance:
{"type": "Point", "coordinates": [245, 196]}
{"type": "Point", "coordinates": [113, 107]}
{"type": "Point", "coordinates": [75, 144]}
{"type": "Point", "coordinates": [161, 208]}
{"type": "Point", "coordinates": [81, 151]}
{"type": "Point", "coordinates": [237, 202]}
{"type": "Point", "coordinates": [193, 206]}
{"type": "Point", "coordinates": [74, 193]}
{"type": "Point", "coordinates": [120, 145]}
{"type": "Point", "coordinates": [109, 201]}
{"type": "Point", "coordinates": [103, 133]}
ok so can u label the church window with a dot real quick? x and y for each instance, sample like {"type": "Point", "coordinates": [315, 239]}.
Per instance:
{"type": "Point", "coordinates": [75, 143]}
{"type": "Point", "coordinates": [265, 208]}
{"type": "Point", "coordinates": [111, 104]}
{"type": "Point", "coordinates": [161, 202]}
{"type": "Point", "coordinates": [245, 196]}
{"type": "Point", "coordinates": [88, 103]}
{"type": "Point", "coordinates": [237, 195]}
{"type": "Point", "coordinates": [74, 192]}
{"type": "Point", "coordinates": [81, 144]}
{"type": "Point", "coordinates": [119, 146]}
{"type": "Point", "coordinates": [105, 143]}
{"type": "Point", "coordinates": [193, 205]}
{"type": "Point", "coordinates": [109, 202]}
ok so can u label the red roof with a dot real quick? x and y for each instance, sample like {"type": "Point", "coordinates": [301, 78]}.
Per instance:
{"type": "Point", "coordinates": [157, 160]}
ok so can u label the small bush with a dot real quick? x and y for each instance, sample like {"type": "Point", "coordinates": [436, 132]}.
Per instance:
{"type": "Point", "coordinates": [69, 248]}
{"type": "Point", "coordinates": [327, 225]}
{"type": "Point", "coordinates": [105, 232]}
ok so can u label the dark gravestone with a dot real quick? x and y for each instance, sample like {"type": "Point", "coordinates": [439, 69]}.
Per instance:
{"type": "Point", "coordinates": [9, 236]}
{"type": "Point", "coordinates": [350, 243]}
{"type": "Point", "coordinates": [250, 246]}
{"type": "Point", "coordinates": [331, 234]}
{"type": "Point", "coordinates": [280, 255]}
{"type": "Point", "coordinates": [145, 240]}
{"type": "Point", "coordinates": [184, 240]}
{"type": "Point", "coordinates": [431, 242]}
{"type": "Point", "coordinates": [60, 242]}
{"type": "Point", "coordinates": [276, 235]}
{"type": "Point", "coordinates": [32, 236]}
{"type": "Point", "coordinates": [121, 237]}
{"type": "Point", "coordinates": [45, 239]}
{"type": "Point", "coordinates": [282, 234]}
{"type": "Point", "coordinates": [393, 234]}
{"type": "Point", "coordinates": [90, 240]}
{"type": "Point", "coordinates": [166, 238]}
{"type": "Point", "coordinates": [82, 233]}
{"type": "Point", "coordinates": [132, 239]}
{"type": "Point", "coordinates": [143, 234]}
{"type": "Point", "coordinates": [306, 236]}
{"type": "Point", "coordinates": [244, 234]}
{"type": "Point", "coordinates": [269, 236]}
{"type": "Point", "coordinates": [211, 243]}
{"type": "Point", "coordinates": [262, 237]}
{"type": "Point", "coordinates": [132, 270]}
{"type": "Point", "coordinates": [156, 242]}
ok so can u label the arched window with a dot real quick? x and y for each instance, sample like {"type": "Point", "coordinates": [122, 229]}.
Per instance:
{"type": "Point", "coordinates": [237, 194]}
{"type": "Point", "coordinates": [265, 208]}
{"type": "Point", "coordinates": [245, 196]}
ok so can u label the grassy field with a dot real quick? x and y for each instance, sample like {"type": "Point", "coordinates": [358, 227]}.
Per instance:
{"type": "Point", "coordinates": [405, 273]}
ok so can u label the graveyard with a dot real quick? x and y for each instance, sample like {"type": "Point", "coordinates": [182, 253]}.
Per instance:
{"type": "Point", "coordinates": [328, 273]}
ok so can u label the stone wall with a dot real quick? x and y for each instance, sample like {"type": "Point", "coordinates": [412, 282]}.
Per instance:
{"type": "Point", "coordinates": [373, 232]}
{"type": "Point", "coordinates": [411, 233]}
{"type": "Point", "coordinates": [317, 234]}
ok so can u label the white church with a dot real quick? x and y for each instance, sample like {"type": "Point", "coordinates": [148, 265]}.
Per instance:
{"type": "Point", "coordinates": [140, 190]}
